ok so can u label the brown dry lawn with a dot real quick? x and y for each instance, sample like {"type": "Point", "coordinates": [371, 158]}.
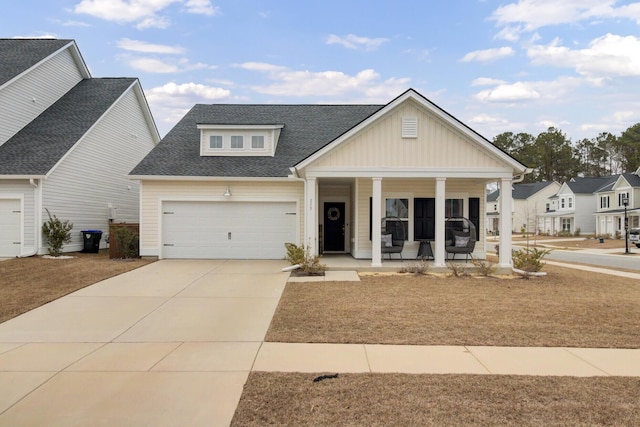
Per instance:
{"type": "Point", "coordinates": [566, 308]}
{"type": "Point", "coordinates": [293, 399]}
{"type": "Point", "coordinates": [27, 283]}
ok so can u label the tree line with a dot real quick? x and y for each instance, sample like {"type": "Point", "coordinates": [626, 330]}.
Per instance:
{"type": "Point", "coordinates": [554, 157]}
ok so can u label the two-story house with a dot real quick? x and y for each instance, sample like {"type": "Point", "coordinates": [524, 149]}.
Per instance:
{"type": "Point", "coordinates": [610, 208]}
{"type": "Point", "coordinates": [530, 201]}
{"type": "Point", "coordinates": [67, 143]}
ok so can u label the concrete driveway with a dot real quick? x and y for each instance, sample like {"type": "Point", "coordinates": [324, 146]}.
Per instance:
{"type": "Point", "coordinates": [171, 343]}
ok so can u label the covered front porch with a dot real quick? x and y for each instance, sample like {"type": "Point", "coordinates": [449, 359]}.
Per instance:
{"type": "Point", "coordinates": [343, 215]}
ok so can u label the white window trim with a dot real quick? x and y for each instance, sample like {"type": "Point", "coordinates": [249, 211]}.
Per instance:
{"type": "Point", "coordinates": [209, 147]}
{"type": "Point", "coordinates": [409, 219]}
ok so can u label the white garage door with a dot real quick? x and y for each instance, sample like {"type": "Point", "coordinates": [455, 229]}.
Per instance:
{"type": "Point", "coordinates": [227, 230]}
{"type": "Point", "coordinates": [10, 217]}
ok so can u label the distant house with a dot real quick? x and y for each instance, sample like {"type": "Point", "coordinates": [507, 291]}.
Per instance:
{"type": "Point", "coordinates": [529, 202]}
{"type": "Point", "coordinates": [572, 208]}
{"type": "Point", "coordinates": [610, 209]}
{"type": "Point", "coordinates": [238, 181]}
{"type": "Point", "coordinates": [67, 143]}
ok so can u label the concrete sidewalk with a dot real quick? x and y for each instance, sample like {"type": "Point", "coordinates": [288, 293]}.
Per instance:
{"type": "Point", "coordinates": [173, 343]}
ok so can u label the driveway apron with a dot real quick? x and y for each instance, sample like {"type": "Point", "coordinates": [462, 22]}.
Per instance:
{"type": "Point", "coordinates": [171, 343]}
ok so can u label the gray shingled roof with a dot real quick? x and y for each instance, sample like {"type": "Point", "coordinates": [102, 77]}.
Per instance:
{"type": "Point", "coordinates": [18, 55]}
{"type": "Point", "coordinates": [37, 147]}
{"type": "Point", "coordinates": [524, 191]}
{"type": "Point", "coordinates": [632, 179]}
{"type": "Point", "coordinates": [589, 184]}
{"type": "Point", "coordinates": [307, 128]}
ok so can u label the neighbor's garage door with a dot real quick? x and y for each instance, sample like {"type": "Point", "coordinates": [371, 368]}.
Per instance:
{"type": "Point", "coordinates": [10, 217]}
{"type": "Point", "coordinates": [227, 230]}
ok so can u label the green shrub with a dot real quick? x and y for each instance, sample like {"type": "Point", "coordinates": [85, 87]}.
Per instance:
{"type": "Point", "coordinates": [127, 240]}
{"type": "Point", "coordinates": [529, 260]}
{"type": "Point", "coordinates": [301, 255]}
{"type": "Point", "coordinates": [56, 233]}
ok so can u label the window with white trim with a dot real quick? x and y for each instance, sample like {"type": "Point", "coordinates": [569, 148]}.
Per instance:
{"type": "Point", "coordinates": [215, 142]}
{"type": "Point", "coordinates": [570, 202]}
{"type": "Point", "coordinates": [622, 196]}
{"type": "Point", "coordinates": [566, 224]}
{"type": "Point", "coordinates": [604, 202]}
{"type": "Point", "coordinates": [562, 203]}
{"type": "Point", "coordinates": [257, 142]}
{"type": "Point", "coordinates": [237, 142]}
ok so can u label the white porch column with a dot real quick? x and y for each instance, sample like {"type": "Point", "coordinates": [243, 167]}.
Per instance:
{"type": "Point", "coordinates": [439, 255]}
{"type": "Point", "coordinates": [311, 215]}
{"type": "Point", "coordinates": [376, 219]}
{"type": "Point", "coordinates": [506, 219]}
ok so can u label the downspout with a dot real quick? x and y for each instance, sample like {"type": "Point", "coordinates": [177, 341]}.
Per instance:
{"type": "Point", "coordinates": [36, 219]}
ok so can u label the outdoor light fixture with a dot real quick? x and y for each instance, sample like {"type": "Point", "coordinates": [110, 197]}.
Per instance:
{"type": "Point", "coordinates": [625, 202]}
{"type": "Point", "coordinates": [228, 192]}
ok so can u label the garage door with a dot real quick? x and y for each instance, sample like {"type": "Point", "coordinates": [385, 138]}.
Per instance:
{"type": "Point", "coordinates": [227, 230]}
{"type": "Point", "coordinates": [10, 217]}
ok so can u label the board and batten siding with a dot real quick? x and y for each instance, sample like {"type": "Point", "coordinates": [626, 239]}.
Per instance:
{"type": "Point", "coordinates": [9, 188]}
{"type": "Point", "coordinates": [95, 172]}
{"type": "Point", "coordinates": [410, 189]}
{"type": "Point", "coordinates": [26, 98]}
{"type": "Point", "coordinates": [155, 192]}
{"type": "Point", "coordinates": [437, 145]}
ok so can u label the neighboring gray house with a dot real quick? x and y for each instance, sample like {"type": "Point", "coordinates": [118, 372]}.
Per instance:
{"type": "Point", "coordinates": [67, 143]}
{"type": "Point", "coordinates": [529, 202]}
{"type": "Point", "coordinates": [572, 208]}
{"type": "Point", "coordinates": [610, 209]}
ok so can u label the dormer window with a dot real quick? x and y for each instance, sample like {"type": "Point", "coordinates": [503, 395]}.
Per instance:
{"type": "Point", "coordinates": [238, 140]}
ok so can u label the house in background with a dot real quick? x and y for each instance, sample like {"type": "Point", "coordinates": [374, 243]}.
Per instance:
{"type": "Point", "coordinates": [67, 144]}
{"type": "Point", "coordinates": [572, 208]}
{"type": "Point", "coordinates": [238, 181]}
{"type": "Point", "coordinates": [609, 208]}
{"type": "Point", "coordinates": [530, 201]}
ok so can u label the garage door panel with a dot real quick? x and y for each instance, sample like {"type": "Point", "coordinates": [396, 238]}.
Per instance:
{"type": "Point", "coordinates": [227, 230]}
{"type": "Point", "coordinates": [10, 218]}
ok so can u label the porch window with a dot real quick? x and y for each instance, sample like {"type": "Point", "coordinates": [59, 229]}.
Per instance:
{"type": "Point", "coordinates": [399, 208]}
{"type": "Point", "coordinates": [566, 224]}
{"type": "Point", "coordinates": [454, 208]}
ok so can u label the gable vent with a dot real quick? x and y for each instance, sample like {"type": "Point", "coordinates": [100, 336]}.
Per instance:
{"type": "Point", "coordinates": [409, 127]}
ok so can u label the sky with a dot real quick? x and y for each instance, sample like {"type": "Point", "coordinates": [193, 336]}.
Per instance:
{"type": "Point", "coordinates": [498, 66]}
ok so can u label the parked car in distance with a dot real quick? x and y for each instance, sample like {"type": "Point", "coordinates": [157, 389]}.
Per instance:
{"type": "Point", "coordinates": [634, 236]}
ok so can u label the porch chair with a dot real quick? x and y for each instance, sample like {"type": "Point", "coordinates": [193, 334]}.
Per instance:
{"type": "Point", "coordinates": [393, 236]}
{"type": "Point", "coordinates": [460, 237]}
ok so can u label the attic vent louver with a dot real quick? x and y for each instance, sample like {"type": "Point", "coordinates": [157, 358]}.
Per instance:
{"type": "Point", "coordinates": [409, 127]}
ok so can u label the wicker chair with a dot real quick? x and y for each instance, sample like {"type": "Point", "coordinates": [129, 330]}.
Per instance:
{"type": "Point", "coordinates": [393, 236]}
{"type": "Point", "coordinates": [460, 237]}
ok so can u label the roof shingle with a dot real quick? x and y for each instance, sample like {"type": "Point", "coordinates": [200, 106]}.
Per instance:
{"type": "Point", "coordinates": [18, 55]}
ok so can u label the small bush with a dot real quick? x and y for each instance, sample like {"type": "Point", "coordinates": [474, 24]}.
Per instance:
{"type": "Point", "coordinates": [564, 234]}
{"type": "Point", "coordinates": [417, 268]}
{"type": "Point", "coordinates": [485, 268]}
{"type": "Point", "coordinates": [577, 232]}
{"type": "Point", "coordinates": [529, 260]}
{"type": "Point", "coordinates": [618, 235]}
{"type": "Point", "coordinates": [127, 240]}
{"type": "Point", "coordinates": [57, 233]}
{"type": "Point", "coordinates": [457, 269]}
{"type": "Point", "coordinates": [310, 264]}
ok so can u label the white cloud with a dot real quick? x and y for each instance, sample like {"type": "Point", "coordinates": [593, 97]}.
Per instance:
{"type": "Point", "coordinates": [486, 81]}
{"type": "Point", "coordinates": [519, 91]}
{"type": "Point", "coordinates": [487, 55]}
{"type": "Point", "coordinates": [75, 24]}
{"type": "Point", "coordinates": [140, 46]}
{"type": "Point", "coordinates": [144, 13]}
{"type": "Point", "coordinates": [351, 41]}
{"type": "Point", "coordinates": [365, 85]}
{"type": "Point", "coordinates": [40, 36]}
{"type": "Point", "coordinates": [170, 102]}
{"type": "Point", "coordinates": [609, 55]}
{"type": "Point", "coordinates": [509, 33]}
{"type": "Point", "coordinates": [153, 65]}
{"type": "Point", "coordinates": [485, 119]}
{"type": "Point", "coordinates": [201, 7]}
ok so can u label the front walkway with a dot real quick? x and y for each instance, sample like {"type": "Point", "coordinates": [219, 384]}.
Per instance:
{"type": "Point", "coordinates": [172, 343]}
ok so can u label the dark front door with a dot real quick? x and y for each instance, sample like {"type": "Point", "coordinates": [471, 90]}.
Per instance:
{"type": "Point", "coordinates": [424, 219]}
{"type": "Point", "coordinates": [334, 227]}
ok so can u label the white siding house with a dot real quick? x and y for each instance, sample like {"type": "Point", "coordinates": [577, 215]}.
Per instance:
{"type": "Point", "coordinates": [610, 210]}
{"type": "Point", "coordinates": [67, 143]}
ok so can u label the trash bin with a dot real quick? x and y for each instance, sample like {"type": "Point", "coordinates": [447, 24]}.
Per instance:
{"type": "Point", "coordinates": [91, 241]}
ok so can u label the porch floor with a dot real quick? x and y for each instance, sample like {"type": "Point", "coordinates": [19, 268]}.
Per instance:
{"type": "Point", "coordinates": [345, 262]}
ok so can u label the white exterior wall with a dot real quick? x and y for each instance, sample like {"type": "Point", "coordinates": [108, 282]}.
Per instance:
{"type": "Point", "coordinates": [584, 218]}
{"type": "Point", "coordinates": [45, 83]}
{"type": "Point", "coordinates": [155, 192]}
{"type": "Point", "coordinates": [9, 189]}
{"type": "Point", "coordinates": [410, 189]}
{"type": "Point", "coordinates": [528, 211]}
{"type": "Point", "coordinates": [95, 172]}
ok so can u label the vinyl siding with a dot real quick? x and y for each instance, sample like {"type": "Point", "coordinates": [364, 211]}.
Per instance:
{"type": "Point", "coordinates": [404, 188]}
{"type": "Point", "coordinates": [12, 187]}
{"type": "Point", "coordinates": [154, 192]}
{"type": "Point", "coordinates": [95, 172]}
{"type": "Point", "coordinates": [381, 145]}
{"type": "Point", "coordinates": [46, 83]}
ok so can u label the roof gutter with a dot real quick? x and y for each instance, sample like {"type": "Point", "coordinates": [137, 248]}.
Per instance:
{"type": "Point", "coordinates": [519, 178]}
